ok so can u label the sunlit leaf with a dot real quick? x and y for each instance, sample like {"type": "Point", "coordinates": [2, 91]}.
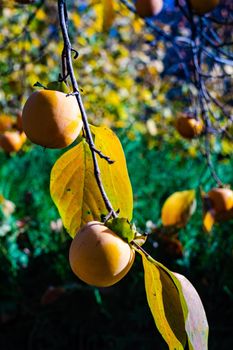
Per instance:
{"type": "Point", "coordinates": [74, 188]}
{"type": "Point", "coordinates": [175, 306]}
{"type": "Point", "coordinates": [196, 324]}
{"type": "Point", "coordinates": [164, 302]}
{"type": "Point", "coordinates": [208, 220]}
{"type": "Point", "coordinates": [178, 208]}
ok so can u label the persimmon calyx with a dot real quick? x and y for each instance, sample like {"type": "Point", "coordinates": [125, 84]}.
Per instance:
{"type": "Point", "coordinates": [123, 228]}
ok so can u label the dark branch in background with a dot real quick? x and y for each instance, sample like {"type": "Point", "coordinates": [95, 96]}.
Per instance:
{"type": "Point", "coordinates": [68, 71]}
{"type": "Point", "coordinates": [202, 92]}
{"type": "Point", "coordinates": [160, 34]}
{"type": "Point", "coordinates": [207, 49]}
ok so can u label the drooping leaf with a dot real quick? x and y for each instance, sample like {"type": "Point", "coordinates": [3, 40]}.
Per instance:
{"type": "Point", "coordinates": [196, 324]}
{"type": "Point", "coordinates": [178, 208]}
{"type": "Point", "coordinates": [175, 306]}
{"type": "Point", "coordinates": [164, 302]}
{"type": "Point", "coordinates": [108, 14]}
{"type": "Point", "coordinates": [74, 188]}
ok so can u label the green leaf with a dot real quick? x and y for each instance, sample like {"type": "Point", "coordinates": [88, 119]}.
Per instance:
{"type": "Point", "coordinates": [38, 84]}
{"type": "Point", "coordinates": [122, 228]}
{"type": "Point", "coordinates": [73, 185]}
{"type": "Point", "coordinates": [58, 86]}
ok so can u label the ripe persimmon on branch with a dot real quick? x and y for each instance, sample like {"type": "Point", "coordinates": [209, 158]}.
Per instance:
{"type": "Point", "coordinates": [68, 72]}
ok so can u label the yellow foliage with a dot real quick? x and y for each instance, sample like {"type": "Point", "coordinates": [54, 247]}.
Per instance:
{"type": "Point", "coordinates": [76, 19]}
{"type": "Point", "coordinates": [176, 307]}
{"type": "Point", "coordinates": [178, 208]}
{"type": "Point", "coordinates": [163, 300]}
{"type": "Point", "coordinates": [208, 220]}
{"type": "Point", "coordinates": [227, 146]}
{"type": "Point", "coordinates": [73, 185]}
{"type": "Point", "coordinates": [41, 15]}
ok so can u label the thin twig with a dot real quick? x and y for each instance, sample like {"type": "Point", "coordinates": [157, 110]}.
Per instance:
{"type": "Point", "coordinates": [202, 94]}
{"type": "Point", "coordinates": [63, 18]}
{"type": "Point", "coordinates": [108, 159]}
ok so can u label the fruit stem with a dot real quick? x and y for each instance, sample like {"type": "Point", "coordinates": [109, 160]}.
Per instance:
{"type": "Point", "coordinates": [138, 247]}
{"type": "Point", "coordinates": [67, 65]}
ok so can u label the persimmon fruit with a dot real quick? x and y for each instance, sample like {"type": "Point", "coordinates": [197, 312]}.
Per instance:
{"type": "Point", "coordinates": [148, 8]}
{"type": "Point", "coordinates": [51, 119]}
{"type": "Point", "coordinates": [217, 206]}
{"type": "Point", "coordinates": [6, 122]}
{"type": "Point", "coordinates": [12, 141]}
{"type": "Point", "coordinates": [203, 6]}
{"type": "Point", "coordinates": [189, 127]}
{"type": "Point", "coordinates": [221, 199]}
{"type": "Point", "coordinates": [98, 256]}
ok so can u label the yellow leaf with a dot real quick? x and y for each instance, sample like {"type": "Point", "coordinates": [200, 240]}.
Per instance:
{"type": "Point", "coordinates": [41, 15]}
{"type": "Point", "coordinates": [208, 220]}
{"type": "Point", "coordinates": [113, 98]}
{"type": "Point", "coordinates": [108, 14]}
{"type": "Point", "coordinates": [74, 188]}
{"type": "Point", "coordinates": [164, 302]}
{"type": "Point", "coordinates": [196, 324]}
{"type": "Point", "coordinates": [76, 19]}
{"type": "Point", "coordinates": [97, 24]}
{"type": "Point", "coordinates": [137, 25]}
{"type": "Point", "coordinates": [115, 177]}
{"type": "Point", "coordinates": [178, 208]}
{"type": "Point", "coordinates": [176, 307]}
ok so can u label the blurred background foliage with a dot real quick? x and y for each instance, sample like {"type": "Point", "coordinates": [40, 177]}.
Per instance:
{"type": "Point", "coordinates": [126, 85]}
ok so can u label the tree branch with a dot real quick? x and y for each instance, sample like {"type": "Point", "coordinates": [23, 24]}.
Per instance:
{"type": "Point", "coordinates": [67, 60]}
